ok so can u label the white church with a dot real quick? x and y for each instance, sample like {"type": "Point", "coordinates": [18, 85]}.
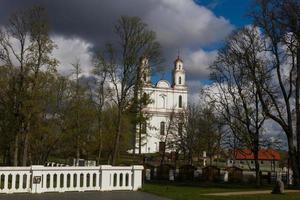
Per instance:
{"type": "Point", "coordinates": [166, 101]}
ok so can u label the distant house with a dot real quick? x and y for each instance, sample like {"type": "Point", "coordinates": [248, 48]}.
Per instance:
{"type": "Point", "coordinates": [244, 159]}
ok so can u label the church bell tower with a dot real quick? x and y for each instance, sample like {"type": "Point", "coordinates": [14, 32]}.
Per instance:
{"type": "Point", "coordinates": [178, 73]}
{"type": "Point", "coordinates": [145, 71]}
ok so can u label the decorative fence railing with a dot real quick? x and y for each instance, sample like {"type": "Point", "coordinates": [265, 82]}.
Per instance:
{"type": "Point", "coordinates": [40, 179]}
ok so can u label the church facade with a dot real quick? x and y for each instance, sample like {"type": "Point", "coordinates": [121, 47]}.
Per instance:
{"type": "Point", "coordinates": [167, 102]}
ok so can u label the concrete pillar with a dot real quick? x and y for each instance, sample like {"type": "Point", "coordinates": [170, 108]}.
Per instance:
{"type": "Point", "coordinates": [106, 177]}
{"type": "Point", "coordinates": [137, 177]}
{"type": "Point", "coordinates": [171, 175]}
{"type": "Point", "coordinates": [226, 176]}
{"type": "Point", "coordinates": [36, 172]}
{"type": "Point", "coordinates": [148, 174]}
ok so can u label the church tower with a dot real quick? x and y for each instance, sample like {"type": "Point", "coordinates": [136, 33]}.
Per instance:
{"type": "Point", "coordinates": [178, 73]}
{"type": "Point", "coordinates": [145, 71]}
{"type": "Point", "coordinates": [165, 100]}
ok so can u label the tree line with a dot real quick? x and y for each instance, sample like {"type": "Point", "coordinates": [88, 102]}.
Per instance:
{"type": "Point", "coordinates": [44, 113]}
{"type": "Point", "coordinates": [256, 78]}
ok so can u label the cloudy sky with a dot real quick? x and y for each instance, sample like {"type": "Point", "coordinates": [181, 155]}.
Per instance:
{"type": "Point", "coordinates": [196, 27]}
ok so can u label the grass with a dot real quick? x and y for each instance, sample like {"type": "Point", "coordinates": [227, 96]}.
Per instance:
{"type": "Point", "coordinates": [198, 191]}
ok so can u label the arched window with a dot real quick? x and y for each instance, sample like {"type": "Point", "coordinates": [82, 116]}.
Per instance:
{"type": "Point", "coordinates": [144, 128]}
{"type": "Point", "coordinates": [162, 147]}
{"type": "Point", "coordinates": [179, 81]}
{"type": "Point", "coordinates": [163, 101]}
{"type": "Point", "coordinates": [145, 99]}
{"type": "Point", "coordinates": [180, 127]}
{"type": "Point", "coordinates": [162, 128]}
{"type": "Point", "coordinates": [180, 101]}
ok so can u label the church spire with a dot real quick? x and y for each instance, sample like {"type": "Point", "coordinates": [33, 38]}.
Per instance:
{"type": "Point", "coordinates": [178, 72]}
{"type": "Point", "coordinates": [145, 70]}
{"type": "Point", "coordinates": [178, 59]}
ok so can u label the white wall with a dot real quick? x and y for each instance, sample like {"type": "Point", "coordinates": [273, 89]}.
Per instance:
{"type": "Point", "coordinates": [160, 111]}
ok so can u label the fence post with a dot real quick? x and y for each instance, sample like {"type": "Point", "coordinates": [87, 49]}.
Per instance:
{"type": "Point", "coordinates": [225, 178]}
{"type": "Point", "coordinates": [137, 177]}
{"type": "Point", "coordinates": [106, 177]}
{"type": "Point", "coordinates": [36, 180]}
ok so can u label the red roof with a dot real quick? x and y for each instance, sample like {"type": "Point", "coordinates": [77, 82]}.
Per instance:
{"type": "Point", "coordinates": [263, 154]}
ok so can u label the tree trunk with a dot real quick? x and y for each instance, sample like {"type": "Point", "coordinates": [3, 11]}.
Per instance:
{"type": "Point", "coordinates": [257, 167]}
{"type": "Point", "coordinates": [16, 150]}
{"type": "Point", "coordinates": [25, 150]}
{"type": "Point", "coordinates": [140, 138]}
{"type": "Point", "coordinates": [298, 111]}
{"type": "Point", "coordinates": [117, 138]}
{"type": "Point", "coordinates": [77, 151]}
{"type": "Point", "coordinates": [294, 161]}
{"type": "Point", "coordinates": [100, 150]}
{"type": "Point", "coordinates": [100, 137]}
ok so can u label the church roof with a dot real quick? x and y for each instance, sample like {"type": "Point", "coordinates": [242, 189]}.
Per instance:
{"type": "Point", "coordinates": [163, 84]}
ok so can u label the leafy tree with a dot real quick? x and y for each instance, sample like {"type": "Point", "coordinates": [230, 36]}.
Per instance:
{"type": "Point", "coordinates": [25, 62]}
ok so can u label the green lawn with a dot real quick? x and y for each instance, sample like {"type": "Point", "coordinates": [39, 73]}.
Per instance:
{"type": "Point", "coordinates": [192, 192]}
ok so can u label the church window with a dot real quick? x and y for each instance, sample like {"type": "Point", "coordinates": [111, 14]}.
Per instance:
{"type": "Point", "coordinates": [163, 102]}
{"type": "Point", "coordinates": [180, 126]}
{"type": "Point", "coordinates": [145, 77]}
{"type": "Point", "coordinates": [180, 101]}
{"type": "Point", "coordinates": [179, 81]}
{"type": "Point", "coordinates": [145, 99]}
{"type": "Point", "coordinates": [162, 128]}
{"type": "Point", "coordinates": [144, 128]}
{"type": "Point", "coordinates": [162, 147]}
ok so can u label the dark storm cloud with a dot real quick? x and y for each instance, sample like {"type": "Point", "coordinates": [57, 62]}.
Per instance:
{"type": "Point", "coordinates": [91, 19]}
{"type": "Point", "coordinates": [179, 24]}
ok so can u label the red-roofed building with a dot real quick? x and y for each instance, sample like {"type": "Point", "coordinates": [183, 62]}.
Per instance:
{"type": "Point", "coordinates": [268, 159]}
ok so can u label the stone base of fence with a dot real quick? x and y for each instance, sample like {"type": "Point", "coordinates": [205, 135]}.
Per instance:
{"type": "Point", "coordinates": [40, 179]}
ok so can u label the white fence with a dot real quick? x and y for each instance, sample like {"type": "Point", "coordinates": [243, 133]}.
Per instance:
{"type": "Point", "coordinates": [39, 179]}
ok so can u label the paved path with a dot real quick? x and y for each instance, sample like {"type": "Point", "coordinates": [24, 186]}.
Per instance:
{"type": "Point", "coordinates": [83, 196]}
{"type": "Point", "coordinates": [247, 192]}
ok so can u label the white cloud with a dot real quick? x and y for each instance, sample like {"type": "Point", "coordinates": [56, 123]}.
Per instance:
{"type": "Point", "coordinates": [198, 62]}
{"type": "Point", "coordinates": [71, 50]}
{"type": "Point", "coordinates": [183, 23]}
{"type": "Point", "coordinates": [194, 89]}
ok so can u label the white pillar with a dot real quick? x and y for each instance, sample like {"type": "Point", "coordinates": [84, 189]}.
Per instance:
{"type": "Point", "coordinates": [65, 182]}
{"type": "Point", "coordinates": [21, 181]}
{"type": "Point", "coordinates": [36, 172]}
{"type": "Point", "coordinates": [105, 173]}
{"type": "Point", "coordinates": [137, 177]}
{"type": "Point", "coordinates": [226, 176]}
{"type": "Point", "coordinates": [13, 181]}
{"type": "Point", "coordinates": [148, 174]}
{"type": "Point", "coordinates": [171, 175]}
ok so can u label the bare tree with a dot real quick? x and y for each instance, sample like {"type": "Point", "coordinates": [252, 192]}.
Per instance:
{"type": "Point", "coordinates": [237, 97]}
{"type": "Point", "coordinates": [278, 78]}
{"type": "Point", "coordinates": [134, 41]}
{"type": "Point", "coordinates": [102, 93]}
